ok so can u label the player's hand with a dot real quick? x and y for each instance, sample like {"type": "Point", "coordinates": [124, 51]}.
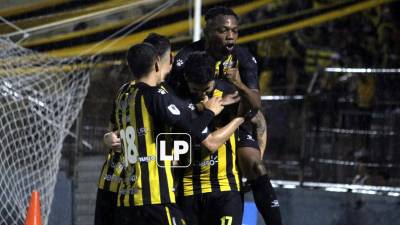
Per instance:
{"type": "Point", "coordinates": [230, 99]}
{"type": "Point", "coordinates": [214, 104]}
{"type": "Point", "coordinates": [111, 140]}
{"type": "Point", "coordinates": [233, 75]}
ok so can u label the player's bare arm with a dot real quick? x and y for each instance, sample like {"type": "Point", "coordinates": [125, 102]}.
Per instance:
{"type": "Point", "coordinates": [217, 138]}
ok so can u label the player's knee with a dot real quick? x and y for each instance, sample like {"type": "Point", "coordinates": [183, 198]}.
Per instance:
{"type": "Point", "coordinates": [259, 168]}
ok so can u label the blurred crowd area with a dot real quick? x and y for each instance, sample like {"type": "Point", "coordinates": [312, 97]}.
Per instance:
{"type": "Point", "coordinates": [369, 39]}
{"type": "Point", "coordinates": [332, 127]}
{"type": "Point", "coordinates": [323, 127]}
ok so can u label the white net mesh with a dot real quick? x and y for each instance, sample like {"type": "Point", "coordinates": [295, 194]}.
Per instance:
{"type": "Point", "coordinates": [40, 97]}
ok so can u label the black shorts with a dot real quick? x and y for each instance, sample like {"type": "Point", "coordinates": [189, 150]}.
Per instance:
{"type": "Point", "coordinates": [219, 208]}
{"type": "Point", "coordinates": [161, 214]}
{"type": "Point", "coordinates": [106, 204]}
{"type": "Point", "coordinates": [247, 136]}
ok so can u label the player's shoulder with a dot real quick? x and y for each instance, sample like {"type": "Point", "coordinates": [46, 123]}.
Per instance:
{"type": "Point", "coordinates": [244, 55]}
{"type": "Point", "coordinates": [155, 97]}
{"type": "Point", "coordinates": [192, 47]}
{"type": "Point", "coordinates": [126, 87]}
{"type": "Point", "coordinates": [156, 91]}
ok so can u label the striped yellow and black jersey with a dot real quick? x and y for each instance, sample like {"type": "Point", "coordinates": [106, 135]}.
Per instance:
{"type": "Point", "coordinates": [215, 172]}
{"type": "Point", "coordinates": [218, 171]}
{"type": "Point", "coordinates": [141, 113]}
{"type": "Point", "coordinates": [245, 61]}
{"type": "Point", "coordinates": [240, 57]}
{"type": "Point", "coordinates": [111, 172]}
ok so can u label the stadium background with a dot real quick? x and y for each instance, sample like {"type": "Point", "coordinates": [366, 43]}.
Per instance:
{"type": "Point", "coordinates": [333, 137]}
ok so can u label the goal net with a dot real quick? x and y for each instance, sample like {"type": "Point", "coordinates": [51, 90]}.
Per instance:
{"type": "Point", "coordinates": [40, 97]}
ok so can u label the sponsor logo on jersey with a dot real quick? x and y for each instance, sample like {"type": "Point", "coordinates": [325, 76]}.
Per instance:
{"type": "Point", "coordinates": [174, 110]}
{"type": "Point", "coordinates": [205, 130]}
{"type": "Point", "coordinates": [147, 158]}
{"type": "Point", "coordinates": [249, 137]}
{"type": "Point", "coordinates": [274, 204]}
{"type": "Point", "coordinates": [212, 161]}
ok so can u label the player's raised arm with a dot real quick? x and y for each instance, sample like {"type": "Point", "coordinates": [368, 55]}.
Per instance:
{"type": "Point", "coordinates": [217, 138]}
{"type": "Point", "coordinates": [251, 96]}
{"type": "Point", "coordinates": [177, 114]}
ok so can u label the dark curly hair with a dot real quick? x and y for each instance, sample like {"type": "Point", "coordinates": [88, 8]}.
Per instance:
{"type": "Point", "coordinates": [199, 68]}
{"type": "Point", "coordinates": [219, 10]}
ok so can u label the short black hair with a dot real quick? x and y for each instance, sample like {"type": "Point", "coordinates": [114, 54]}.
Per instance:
{"type": "Point", "coordinates": [220, 10]}
{"type": "Point", "coordinates": [199, 68]}
{"type": "Point", "coordinates": [141, 59]}
{"type": "Point", "coordinates": [160, 42]}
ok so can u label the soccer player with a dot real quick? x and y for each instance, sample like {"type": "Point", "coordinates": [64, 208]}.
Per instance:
{"type": "Point", "coordinates": [209, 188]}
{"type": "Point", "coordinates": [143, 110]}
{"type": "Point", "coordinates": [107, 191]}
{"type": "Point", "coordinates": [220, 35]}
{"type": "Point", "coordinates": [112, 171]}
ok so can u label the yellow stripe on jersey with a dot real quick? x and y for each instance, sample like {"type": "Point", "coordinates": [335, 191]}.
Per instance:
{"type": "Point", "coordinates": [187, 183]}
{"type": "Point", "coordinates": [104, 172]}
{"type": "Point", "coordinates": [116, 114]}
{"type": "Point", "coordinates": [128, 186]}
{"type": "Point", "coordinates": [128, 168]}
{"type": "Point", "coordinates": [110, 177]}
{"type": "Point", "coordinates": [205, 174]}
{"type": "Point", "coordinates": [217, 69]}
{"type": "Point", "coordinates": [150, 151]}
{"type": "Point", "coordinates": [152, 185]}
{"type": "Point", "coordinates": [168, 215]}
{"type": "Point", "coordinates": [170, 181]}
{"type": "Point", "coordinates": [216, 171]}
{"type": "Point", "coordinates": [226, 64]}
{"type": "Point", "coordinates": [115, 179]}
{"type": "Point", "coordinates": [235, 169]}
{"type": "Point", "coordinates": [223, 182]}
{"type": "Point", "coordinates": [138, 182]}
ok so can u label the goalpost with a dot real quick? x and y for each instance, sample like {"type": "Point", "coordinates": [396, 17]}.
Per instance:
{"type": "Point", "coordinates": [40, 98]}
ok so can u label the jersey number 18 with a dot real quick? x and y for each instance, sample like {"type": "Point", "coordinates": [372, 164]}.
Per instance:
{"type": "Point", "coordinates": [128, 143]}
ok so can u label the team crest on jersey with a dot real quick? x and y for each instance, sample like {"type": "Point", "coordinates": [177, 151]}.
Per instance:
{"type": "Point", "coordinates": [162, 91]}
{"type": "Point", "coordinates": [191, 106]}
{"type": "Point", "coordinates": [174, 110]}
{"type": "Point", "coordinates": [228, 64]}
{"type": "Point", "coordinates": [179, 62]}
{"type": "Point", "coordinates": [254, 60]}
